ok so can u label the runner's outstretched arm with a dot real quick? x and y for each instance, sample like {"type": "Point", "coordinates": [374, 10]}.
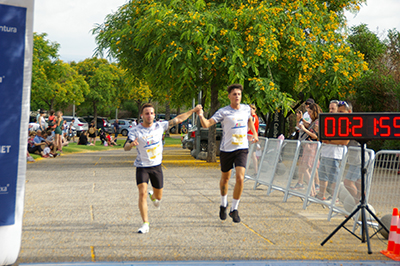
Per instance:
{"type": "Point", "coordinates": [182, 117]}
{"type": "Point", "coordinates": [206, 123]}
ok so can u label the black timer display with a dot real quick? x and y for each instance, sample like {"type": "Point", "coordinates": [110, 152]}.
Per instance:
{"type": "Point", "coordinates": [359, 126]}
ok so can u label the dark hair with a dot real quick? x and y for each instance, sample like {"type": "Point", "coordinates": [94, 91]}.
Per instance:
{"type": "Point", "coordinates": [234, 86]}
{"type": "Point", "coordinates": [52, 112]}
{"type": "Point", "coordinates": [316, 110]}
{"type": "Point", "coordinates": [146, 105]}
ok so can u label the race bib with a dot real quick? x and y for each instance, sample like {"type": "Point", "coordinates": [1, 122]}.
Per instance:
{"type": "Point", "coordinates": [154, 152]}
{"type": "Point", "coordinates": [238, 139]}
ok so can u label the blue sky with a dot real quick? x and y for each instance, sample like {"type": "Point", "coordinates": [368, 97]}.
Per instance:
{"type": "Point", "coordinates": [69, 22]}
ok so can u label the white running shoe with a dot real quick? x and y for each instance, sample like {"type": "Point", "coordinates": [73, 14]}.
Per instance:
{"type": "Point", "coordinates": [156, 202]}
{"type": "Point", "coordinates": [144, 229]}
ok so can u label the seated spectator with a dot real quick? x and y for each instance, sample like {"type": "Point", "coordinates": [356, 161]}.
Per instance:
{"type": "Point", "coordinates": [110, 141]}
{"type": "Point", "coordinates": [50, 148]}
{"type": "Point", "coordinates": [83, 139]}
{"type": "Point", "coordinates": [102, 136]}
{"type": "Point", "coordinates": [34, 147]}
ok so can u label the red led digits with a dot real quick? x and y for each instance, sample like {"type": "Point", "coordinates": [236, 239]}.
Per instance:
{"type": "Point", "coordinates": [359, 126]}
{"type": "Point", "coordinates": [396, 124]}
{"type": "Point", "coordinates": [376, 123]}
{"type": "Point", "coordinates": [384, 118]}
{"type": "Point", "coordinates": [346, 126]}
{"type": "Point", "coordinates": [333, 127]}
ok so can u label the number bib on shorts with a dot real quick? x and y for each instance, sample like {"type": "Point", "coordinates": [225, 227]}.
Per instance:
{"type": "Point", "coordinates": [234, 126]}
{"type": "Point", "coordinates": [150, 146]}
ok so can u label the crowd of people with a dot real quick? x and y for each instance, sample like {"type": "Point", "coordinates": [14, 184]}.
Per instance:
{"type": "Point", "coordinates": [48, 138]}
{"type": "Point", "coordinates": [331, 154]}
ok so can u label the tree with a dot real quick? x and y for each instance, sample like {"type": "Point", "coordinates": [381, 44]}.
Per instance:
{"type": "Point", "coordinates": [275, 48]}
{"type": "Point", "coordinates": [378, 89]}
{"type": "Point", "coordinates": [54, 83]}
{"type": "Point", "coordinates": [103, 79]}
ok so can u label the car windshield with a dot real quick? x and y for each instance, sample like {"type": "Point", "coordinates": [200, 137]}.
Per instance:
{"type": "Point", "coordinates": [82, 120]}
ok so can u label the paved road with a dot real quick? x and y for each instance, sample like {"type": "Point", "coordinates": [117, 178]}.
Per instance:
{"type": "Point", "coordinates": [83, 208]}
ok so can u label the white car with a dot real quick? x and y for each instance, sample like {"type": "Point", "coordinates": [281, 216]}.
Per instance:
{"type": "Point", "coordinates": [79, 124]}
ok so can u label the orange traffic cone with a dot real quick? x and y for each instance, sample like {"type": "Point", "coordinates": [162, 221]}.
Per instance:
{"type": "Point", "coordinates": [395, 255]}
{"type": "Point", "coordinates": [392, 232]}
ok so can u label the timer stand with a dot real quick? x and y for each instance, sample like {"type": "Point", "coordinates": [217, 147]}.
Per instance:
{"type": "Point", "coordinates": [362, 207]}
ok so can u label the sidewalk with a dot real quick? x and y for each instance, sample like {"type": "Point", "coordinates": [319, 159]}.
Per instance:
{"type": "Point", "coordinates": [83, 208]}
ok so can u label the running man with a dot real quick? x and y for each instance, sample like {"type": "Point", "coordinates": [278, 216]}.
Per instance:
{"type": "Point", "coordinates": [235, 119]}
{"type": "Point", "coordinates": [147, 136]}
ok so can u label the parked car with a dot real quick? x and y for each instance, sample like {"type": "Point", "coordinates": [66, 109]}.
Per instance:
{"type": "Point", "coordinates": [190, 141]}
{"type": "Point", "coordinates": [124, 126]}
{"type": "Point", "coordinates": [102, 123]}
{"type": "Point", "coordinates": [80, 123]}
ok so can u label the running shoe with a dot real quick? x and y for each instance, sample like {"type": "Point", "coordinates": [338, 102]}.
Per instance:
{"type": "Point", "coordinates": [235, 216]}
{"type": "Point", "coordinates": [144, 229]}
{"type": "Point", "coordinates": [222, 212]}
{"type": "Point", "coordinates": [156, 202]}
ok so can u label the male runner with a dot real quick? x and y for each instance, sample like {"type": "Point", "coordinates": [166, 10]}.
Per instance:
{"type": "Point", "coordinates": [147, 136]}
{"type": "Point", "coordinates": [235, 119]}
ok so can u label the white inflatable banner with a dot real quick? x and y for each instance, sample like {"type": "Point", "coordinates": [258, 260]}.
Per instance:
{"type": "Point", "coordinates": [16, 46]}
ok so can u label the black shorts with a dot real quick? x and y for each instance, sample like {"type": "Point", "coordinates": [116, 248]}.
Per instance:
{"type": "Point", "coordinates": [228, 159]}
{"type": "Point", "coordinates": [154, 173]}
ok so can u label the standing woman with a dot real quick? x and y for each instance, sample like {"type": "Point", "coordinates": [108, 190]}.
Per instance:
{"type": "Point", "coordinates": [307, 160]}
{"type": "Point", "coordinates": [58, 130]}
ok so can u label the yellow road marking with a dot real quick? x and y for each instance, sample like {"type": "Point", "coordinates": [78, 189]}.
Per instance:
{"type": "Point", "coordinates": [92, 254]}
{"type": "Point", "coordinates": [266, 239]}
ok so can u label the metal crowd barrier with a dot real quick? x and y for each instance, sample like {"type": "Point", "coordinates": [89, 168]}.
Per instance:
{"type": "Point", "coordinates": [281, 165]}
{"type": "Point", "coordinates": [384, 194]}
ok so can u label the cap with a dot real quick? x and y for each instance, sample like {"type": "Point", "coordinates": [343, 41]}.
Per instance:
{"type": "Point", "coordinates": [310, 100]}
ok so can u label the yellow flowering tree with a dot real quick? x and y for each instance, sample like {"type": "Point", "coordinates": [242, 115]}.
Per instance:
{"type": "Point", "coordinates": [275, 48]}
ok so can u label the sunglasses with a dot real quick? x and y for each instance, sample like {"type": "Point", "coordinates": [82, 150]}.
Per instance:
{"type": "Point", "coordinates": [343, 103]}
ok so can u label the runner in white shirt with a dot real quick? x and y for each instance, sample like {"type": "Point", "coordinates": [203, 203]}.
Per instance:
{"type": "Point", "coordinates": [235, 119]}
{"type": "Point", "coordinates": [147, 137]}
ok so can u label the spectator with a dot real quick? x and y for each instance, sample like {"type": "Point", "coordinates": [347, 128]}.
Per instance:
{"type": "Point", "coordinates": [116, 129]}
{"type": "Point", "coordinates": [52, 120]}
{"type": "Point", "coordinates": [250, 136]}
{"type": "Point", "coordinates": [331, 156]}
{"type": "Point", "coordinates": [58, 130]}
{"type": "Point", "coordinates": [183, 132]}
{"type": "Point", "coordinates": [83, 139]}
{"type": "Point", "coordinates": [352, 181]}
{"type": "Point", "coordinates": [92, 133]}
{"type": "Point", "coordinates": [71, 132]}
{"type": "Point", "coordinates": [41, 121]}
{"type": "Point", "coordinates": [306, 161]}
{"type": "Point", "coordinates": [110, 141]}
{"type": "Point", "coordinates": [102, 136]}
{"type": "Point", "coordinates": [64, 128]}
{"type": "Point", "coordinates": [35, 147]}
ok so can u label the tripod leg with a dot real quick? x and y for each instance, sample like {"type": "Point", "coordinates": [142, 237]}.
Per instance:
{"type": "Point", "coordinates": [376, 218]}
{"type": "Point", "coordinates": [365, 229]}
{"type": "Point", "coordinates": [341, 225]}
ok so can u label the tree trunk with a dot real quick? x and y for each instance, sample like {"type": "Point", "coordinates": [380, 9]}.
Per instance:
{"type": "Point", "coordinates": [94, 115]}
{"type": "Point", "coordinates": [212, 147]}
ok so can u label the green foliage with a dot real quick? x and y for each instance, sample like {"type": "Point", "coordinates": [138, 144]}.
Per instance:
{"type": "Point", "coordinates": [275, 48]}
{"type": "Point", "coordinates": [378, 90]}
{"type": "Point", "coordinates": [54, 83]}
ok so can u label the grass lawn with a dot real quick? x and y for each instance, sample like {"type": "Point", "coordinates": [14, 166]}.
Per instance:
{"type": "Point", "coordinates": [74, 148]}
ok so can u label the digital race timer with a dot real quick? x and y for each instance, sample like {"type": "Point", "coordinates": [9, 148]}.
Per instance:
{"type": "Point", "coordinates": [359, 126]}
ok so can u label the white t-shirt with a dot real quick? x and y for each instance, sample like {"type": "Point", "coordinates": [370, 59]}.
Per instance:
{"type": "Point", "coordinates": [150, 146]}
{"type": "Point", "coordinates": [332, 151]}
{"type": "Point", "coordinates": [234, 127]}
